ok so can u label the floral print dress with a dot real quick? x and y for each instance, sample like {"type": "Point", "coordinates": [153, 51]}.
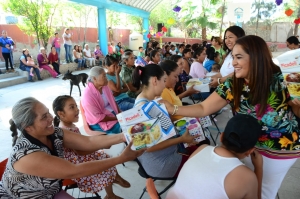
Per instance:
{"type": "Point", "coordinates": [280, 137]}
{"type": "Point", "coordinates": [94, 183]}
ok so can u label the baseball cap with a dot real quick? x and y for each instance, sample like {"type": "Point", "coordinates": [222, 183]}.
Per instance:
{"type": "Point", "coordinates": [242, 132]}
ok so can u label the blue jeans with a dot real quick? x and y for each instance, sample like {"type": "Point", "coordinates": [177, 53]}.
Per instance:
{"type": "Point", "coordinates": [126, 103]}
{"type": "Point", "coordinates": [68, 53]}
{"type": "Point", "coordinates": [80, 62]}
{"type": "Point", "coordinates": [114, 130]}
{"type": "Point", "coordinates": [58, 53]}
{"type": "Point", "coordinates": [27, 68]}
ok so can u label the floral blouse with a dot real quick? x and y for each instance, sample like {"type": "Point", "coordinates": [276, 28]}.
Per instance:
{"type": "Point", "coordinates": [280, 137]}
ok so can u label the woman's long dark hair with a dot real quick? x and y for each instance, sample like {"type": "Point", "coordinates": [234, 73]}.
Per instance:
{"type": "Point", "coordinates": [237, 31]}
{"type": "Point", "coordinates": [142, 75]}
{"type": "Point", "coordinates": [261, 71]}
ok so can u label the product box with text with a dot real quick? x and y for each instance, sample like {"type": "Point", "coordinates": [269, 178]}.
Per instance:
{"type": "Point", "coordinates": [192, 125]}
{"type": "Point", "coordinates": [289, 63]}
{"type": "Point", "coordinates": [146, 125]}
{"type": "Point", "coordinates": [200, 84]}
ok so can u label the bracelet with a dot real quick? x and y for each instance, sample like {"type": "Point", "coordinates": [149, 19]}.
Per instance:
{"type": "Point", "coordinates": [219, 81]}
{"type": "Point", "coordinates": [175, 109]}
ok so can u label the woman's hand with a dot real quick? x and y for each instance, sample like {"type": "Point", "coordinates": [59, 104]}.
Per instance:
{"type": "Point", "coordinates": [214, 82]}
{"type": "Point", "coordinates": [257, 160]}
{"type": "Point", "coordinates": [129, 154]}
{"type": "Point", "coordinates": [191, 90]}
{"type": "Point", "coordinates": [169, 106]}
{"type": "Point", "coordinates": [118, 69]}
{"type": "Point", "coordinates": [188, 138]}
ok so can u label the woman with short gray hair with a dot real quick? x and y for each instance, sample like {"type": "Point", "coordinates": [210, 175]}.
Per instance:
{"type": "Point", "coordinates": [44, 63]}
{"type": "Point", "coordinates": [37, 165]}
{"type": "Point", "coordinates": [88, 55]}
{"type": "Point", "coordinates": [99, 104]}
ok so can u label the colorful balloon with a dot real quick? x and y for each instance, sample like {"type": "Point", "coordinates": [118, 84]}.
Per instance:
{"type": "Point", "coordinates": [171, 21]}
{"type": "Point", "coordinates": [289, 12]}
{"type": "Point", "coordinates": [164, 29]}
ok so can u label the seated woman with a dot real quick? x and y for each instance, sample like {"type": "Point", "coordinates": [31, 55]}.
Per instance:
{"type": "Point", "coordinates": [187, 55]}
{"type": "Point", "coordinates": [77, 58]}
{"type": "Point", "coordinates": [212, 58]}
{"type": "Point", "coordinates": [88, 55]}
{"type": "Point", "coordinates": [98, 53]}
{"type": "Point", "coordinates": [37, 165]}
{"type": "Point", "coordinates": [53, 59]}
{"type": "Point", "coordinates": [24, 66]}
{"type": "Point", "coordinates": [116, 84]}
{"type": "Point", "coordinates": [66, 113]}
{"type": "Point", "coordinates": [173, 70]}
{"type": "Point", "coordinates": [44, 63]}
{"type": "Point", "coordinates": [99, 104]}
{"type": "Point", "coordinates": [161, 160]}
{"type": "Point", "coordinates": [127, 71]}
{"type": "Point", "coordinates": [154, 57]}
{"type": "Point", "coordinates": [197, 69]}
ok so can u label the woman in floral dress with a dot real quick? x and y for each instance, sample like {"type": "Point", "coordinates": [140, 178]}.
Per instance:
{"type": "Point", "coordinates": [257, 89]}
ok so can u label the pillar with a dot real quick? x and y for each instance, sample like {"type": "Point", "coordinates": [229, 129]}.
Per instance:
{"type": "Point", "coordinates": [102, 30]}
{"type": "Point", "coordinates": [145, 27]}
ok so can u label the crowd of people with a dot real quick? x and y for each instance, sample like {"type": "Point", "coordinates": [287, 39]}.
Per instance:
{"type": "Point", "coordinates": [259, 145]}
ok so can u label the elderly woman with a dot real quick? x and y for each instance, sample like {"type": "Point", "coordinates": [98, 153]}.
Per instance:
{"type": "Point", "coordinates": [37, 165]}
{"type": "Point", "coordinates": [44, 63]}
{"type": "Point", "coordinates": [26, 66]}
{"type": "Point", "coordinates": [53, 59]}
{"type": "Point", "coordinates": [99, 104]}
{"type": "Point", "coordinates": [126, 73]}
{"type": "Point", "coordinates": [88, 55]}
{"type": "Point", "coordinates": [257, 89]}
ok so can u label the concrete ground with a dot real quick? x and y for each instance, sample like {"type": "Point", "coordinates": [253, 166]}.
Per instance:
{"type": "Point", "coordinates": [47, 90]}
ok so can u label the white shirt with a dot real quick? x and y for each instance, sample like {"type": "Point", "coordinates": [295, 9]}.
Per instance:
{"type": "Point", "coordinates": [203, 176]}
{"type": "Point", "coordinates": [106, 104]}
{"type": "Point", "coordinates": [172, 52]}
{"type": "Point", "coordinates": [69, 42]}
{"type": "Point", "coordinates": [87, 52]}
{"type": "Point", "coordinates": [227, 67]}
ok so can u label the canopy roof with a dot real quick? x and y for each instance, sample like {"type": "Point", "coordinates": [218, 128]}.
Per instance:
{"type": "Point", "coordinates": [147, 5]}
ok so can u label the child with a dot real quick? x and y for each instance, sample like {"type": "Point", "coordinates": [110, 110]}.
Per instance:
{"type": "Point", "coordinates": [172, 50]}
{"type": "Point", "coordinates": [66, 113]}
{"type": "Point", "coordinates": [141, 53]}
{"type": "Point", "coordinates": [237, 142]}
{"type": "Point", "coordinates": [215, 69]}
{"type": "Point", "coordinates": [31, 62]}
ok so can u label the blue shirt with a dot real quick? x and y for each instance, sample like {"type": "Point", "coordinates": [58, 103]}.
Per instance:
{"type": "Point", "coordinates": [208, 65]}
{"type": "Point", "coordinates": [4, 42]}
{"type": "Point", "coordinates": [114, 79]}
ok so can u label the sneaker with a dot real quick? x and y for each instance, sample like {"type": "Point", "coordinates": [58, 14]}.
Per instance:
{"type": "Point", "coordinates": [13, 70]}
{"type": "Point", "coordinates": [31, 80]}
{"type": "Point", "coordinates": [40, 79]}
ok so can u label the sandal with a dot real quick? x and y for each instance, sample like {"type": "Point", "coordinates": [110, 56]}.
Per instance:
{"type": "Point", "coordinates": [115, 197]}
{"type": "Point", "coordinates": [122, 182]}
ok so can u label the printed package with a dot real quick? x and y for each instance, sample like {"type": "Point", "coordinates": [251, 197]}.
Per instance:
{"type": "Point", "coordinates": [146, 125]}
{"type": "Point", "coordinates": [289, 63]}
{"type": "Point", "coordinates": [200, 84]}
{"type": "Point", "coordinates": [192, 125]}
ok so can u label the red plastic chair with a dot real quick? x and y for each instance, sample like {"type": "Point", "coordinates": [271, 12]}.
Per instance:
{"type": "Point", "coordinates": [86, 125]}
{"type": "Point", "coordinates": [2, 167]}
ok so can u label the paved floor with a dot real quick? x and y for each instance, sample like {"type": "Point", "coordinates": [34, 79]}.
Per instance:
{"type": "Point", "coordinates": [48, 89]}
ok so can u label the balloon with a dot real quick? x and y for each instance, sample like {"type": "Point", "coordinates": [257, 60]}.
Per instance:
{"type": "Point", "coordinates": [297, 21]}
{"type": "Point", "coordinates": [164, 29]}
{"type": "Point", "coordinates": [159, 34]}
{"type": "Point", "coordinates": [289, 12]}
{"type": "Point", "coordinates": [176, 9]}
{"type": "Point", "coordinates": [150, 28]}
{"type": "Point", "coordinates": [149, 36]}
{"type": "Point", "coordinates": [278, 2]}
{"type": "Point", "coordinates": [171, 21]}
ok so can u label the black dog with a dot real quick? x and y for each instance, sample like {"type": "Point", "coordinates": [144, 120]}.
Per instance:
{"type": "Point", "coordinates": [75, 80]}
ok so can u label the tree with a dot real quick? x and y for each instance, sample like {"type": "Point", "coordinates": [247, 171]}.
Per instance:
{"type": "Point", "coordinates": [37, 17]}
{"type": "Point", "coordinates": [263, 10]}
{"type": "Point", "coordinates": [201, 15]}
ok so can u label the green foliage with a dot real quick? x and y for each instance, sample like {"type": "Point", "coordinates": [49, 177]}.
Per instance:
{"type": "Point", "coordinates": [161, 13]}
{"type": "Point", "coordinates": [262, 9]}
{"type": "Point", "coordinates": [37, 17]}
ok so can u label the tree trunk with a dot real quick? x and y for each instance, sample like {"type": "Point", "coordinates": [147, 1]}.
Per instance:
{"type": "Point", "coordinates": [204, 33]}
{"type": "Point", "coordinates": [223, 13]}
{"type": "Point", "coordinates": [297, 25]}
{"type": "Point", "coordinates": [257, 18]}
